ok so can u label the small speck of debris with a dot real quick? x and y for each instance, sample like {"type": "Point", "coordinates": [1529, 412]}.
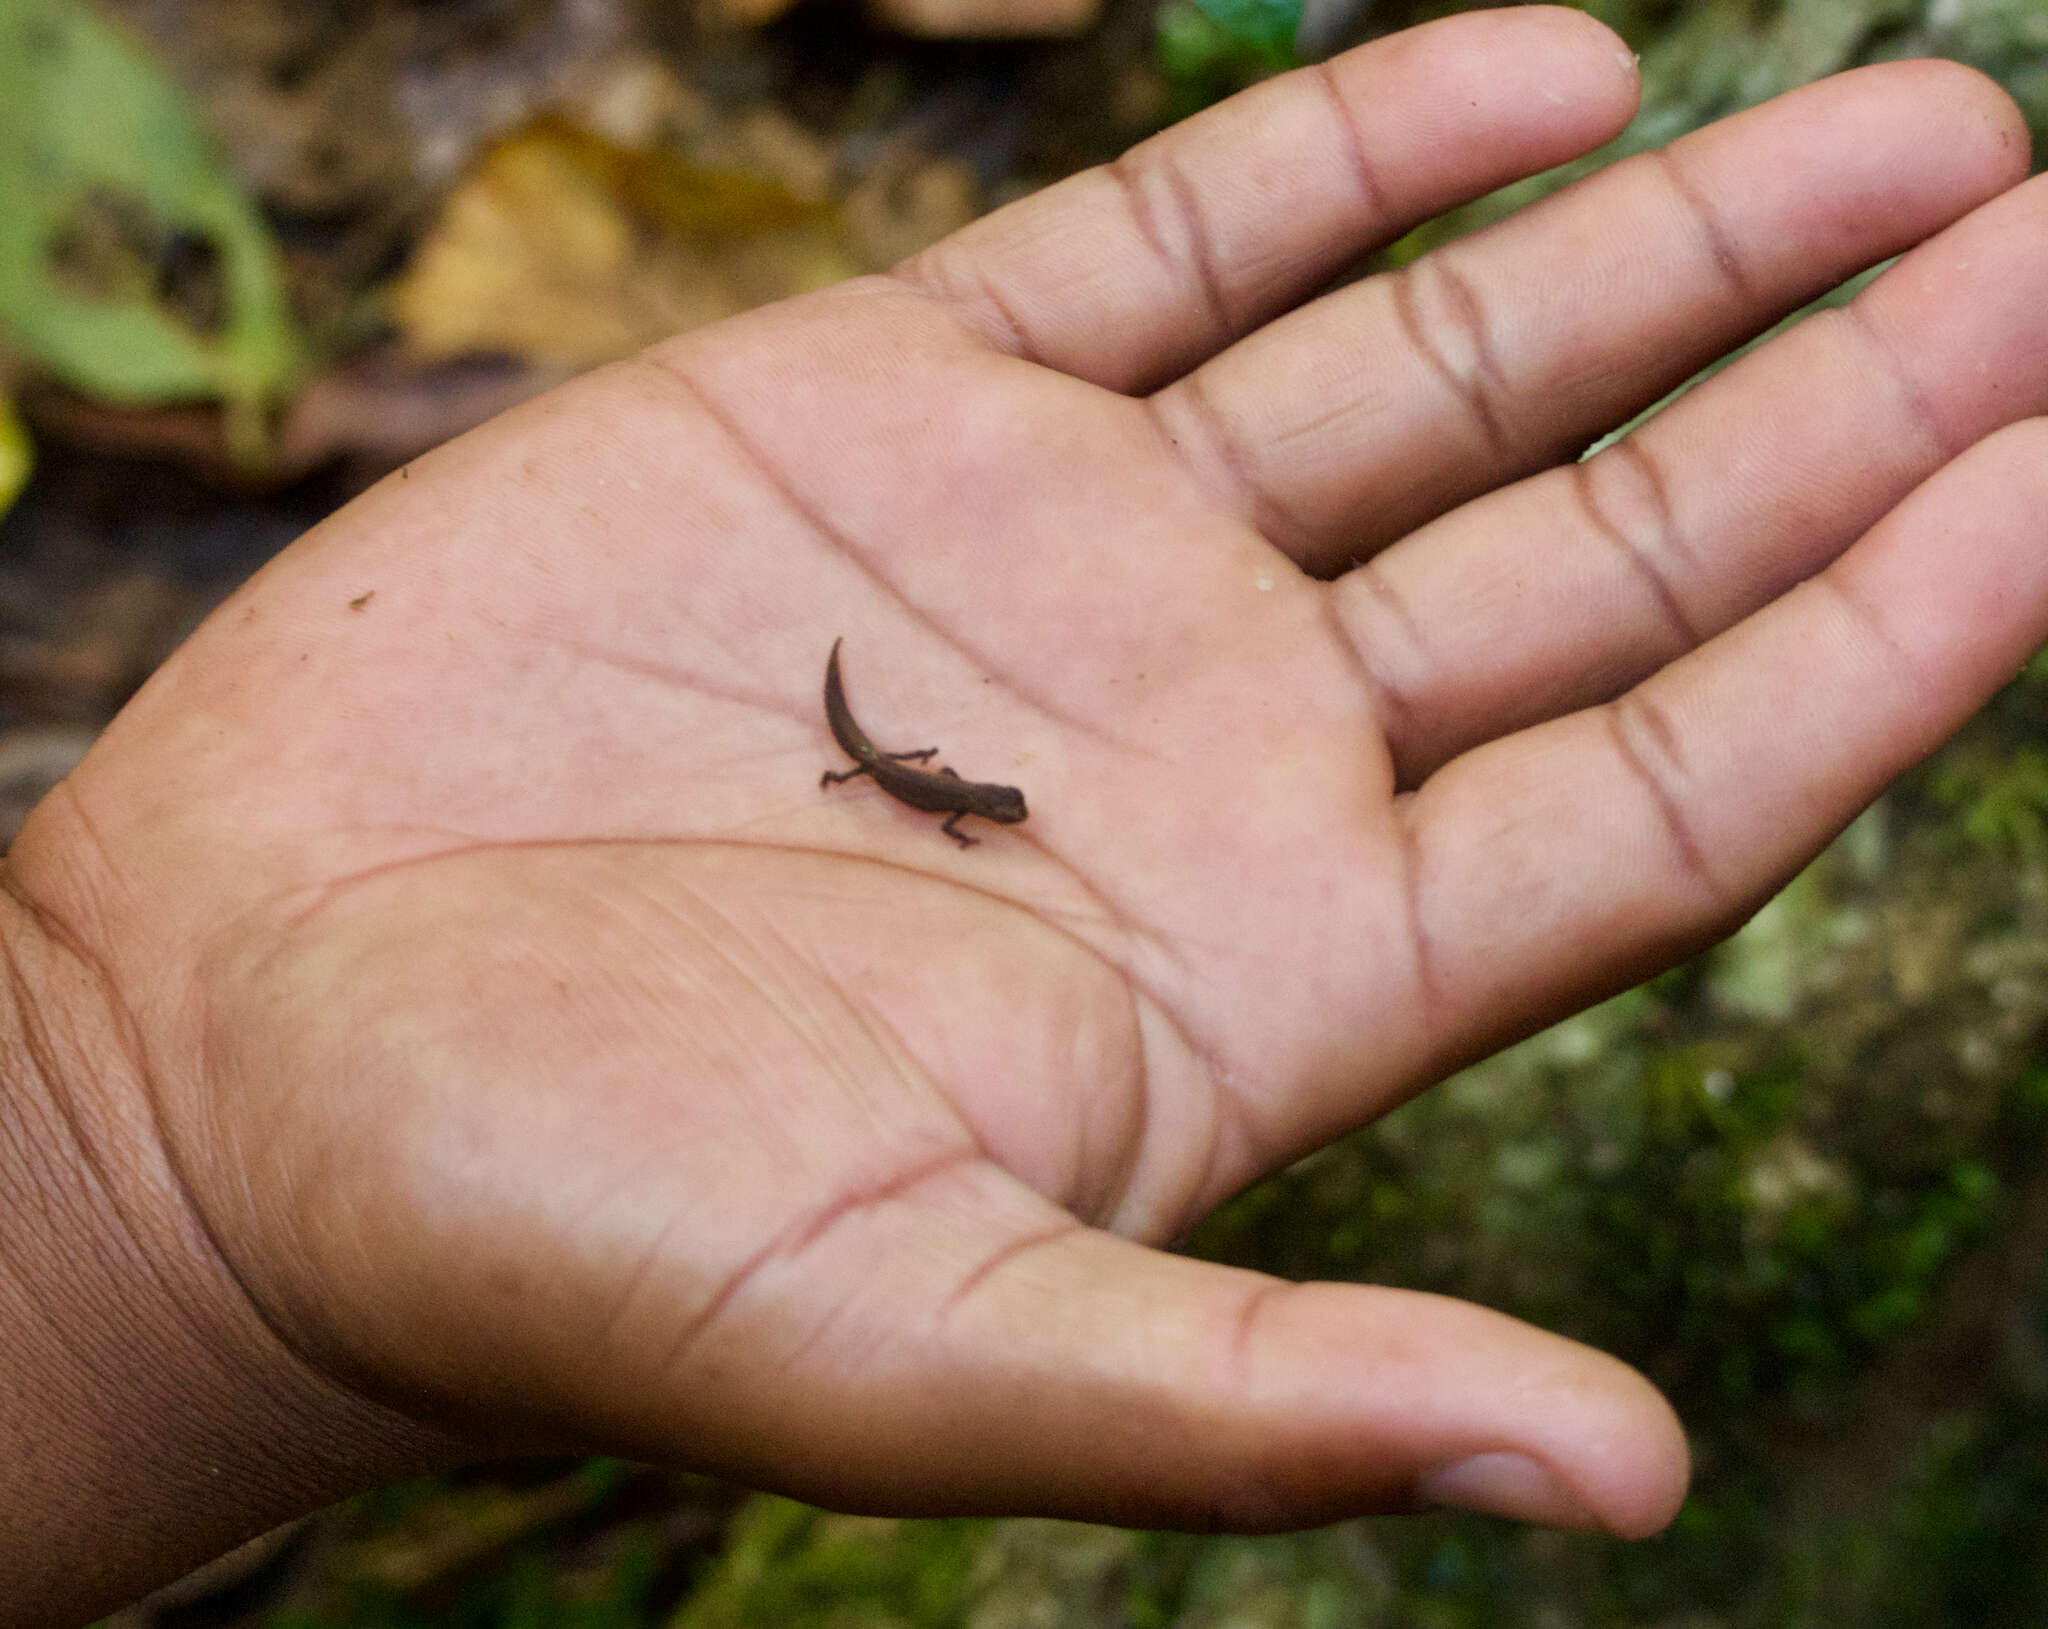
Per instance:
{"type": "Point", "coordinates": [362, 599]}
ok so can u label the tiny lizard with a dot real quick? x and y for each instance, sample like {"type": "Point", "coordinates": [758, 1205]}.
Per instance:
{"type": "Point", "coordinates": [941, 791]}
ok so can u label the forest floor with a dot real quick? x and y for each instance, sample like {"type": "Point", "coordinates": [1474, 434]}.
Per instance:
{"type": "Point", "coordinates": [1802, 1182]}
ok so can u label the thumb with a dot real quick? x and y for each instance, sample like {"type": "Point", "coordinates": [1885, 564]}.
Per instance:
{"type": "Point", "coordinates": [993, 1355]}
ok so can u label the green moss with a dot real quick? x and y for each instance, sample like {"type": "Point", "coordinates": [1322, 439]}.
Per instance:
{"type": "Point", "coordinates": [793, 1567]}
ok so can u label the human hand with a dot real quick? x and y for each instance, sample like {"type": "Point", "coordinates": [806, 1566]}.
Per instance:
{"type": "Point", "coordinates": [520, 1048]}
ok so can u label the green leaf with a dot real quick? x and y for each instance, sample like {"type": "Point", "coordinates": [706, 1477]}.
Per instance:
{"type": "Point", "coordinates": [131, 265]}
{"type": "Point", "coordinates": [1267, 25]}
{"type": "Point", "coordinates": [15, 457]}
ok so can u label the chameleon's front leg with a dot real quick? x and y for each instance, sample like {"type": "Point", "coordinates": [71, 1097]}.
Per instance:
{"type": "Point", "coordinates": [951, 829]}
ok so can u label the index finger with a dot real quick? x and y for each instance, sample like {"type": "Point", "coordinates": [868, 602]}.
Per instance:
{"type": "Point", "coordinates": [1129, 274]}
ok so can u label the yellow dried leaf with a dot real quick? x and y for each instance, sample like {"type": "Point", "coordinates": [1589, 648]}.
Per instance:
{"type": "Point", "coordinates": [567, 250]}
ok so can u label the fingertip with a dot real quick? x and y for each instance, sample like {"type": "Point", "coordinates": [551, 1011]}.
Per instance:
{"type": "Point", "coordinates": [1543, 56]}
{"type": "Point", "coordinates": [1934, 131]}
{"type": "Point", "coordinates": [1634, 1466]}
{"type": "Point", "coordinates": [1484, 97]}
{"type": "Point", "coordinates": [1554, 1433]}
{"type": "Point", "coordinates": [1378, 1399]}
{"type": "Point", "coordinates": [1973, 104]}
{"type": "Point", "coordinates": [1634, 1496]}
{"type": "Point", "coordinates": [1589, 36]}
{"type": "Point", "coordinates": [1606, 66]}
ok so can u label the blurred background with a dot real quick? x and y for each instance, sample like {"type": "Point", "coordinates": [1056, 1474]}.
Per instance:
{"type": "Point", "coordinates": [256, 253]}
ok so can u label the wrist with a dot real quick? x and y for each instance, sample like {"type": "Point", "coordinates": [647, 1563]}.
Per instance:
{"type": "Point", "coordinates": [149, 1417]}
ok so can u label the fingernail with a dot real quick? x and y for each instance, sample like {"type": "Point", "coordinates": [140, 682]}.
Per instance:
{"type": "Point", "coordinates": [1504, 1484]}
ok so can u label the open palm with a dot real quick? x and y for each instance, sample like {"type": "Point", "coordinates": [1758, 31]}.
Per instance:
{"type": "Point", "coordinates": [547, 1057]}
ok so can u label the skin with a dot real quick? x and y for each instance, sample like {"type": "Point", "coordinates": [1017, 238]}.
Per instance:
{"type": "Point", "coordinates": [939, 791]}
{"type": "Point", "coordinates": [443, 1017]}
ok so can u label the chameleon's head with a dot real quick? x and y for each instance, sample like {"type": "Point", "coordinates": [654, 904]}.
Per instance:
{"type": "Point", "coordinates": [1005, 807]}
